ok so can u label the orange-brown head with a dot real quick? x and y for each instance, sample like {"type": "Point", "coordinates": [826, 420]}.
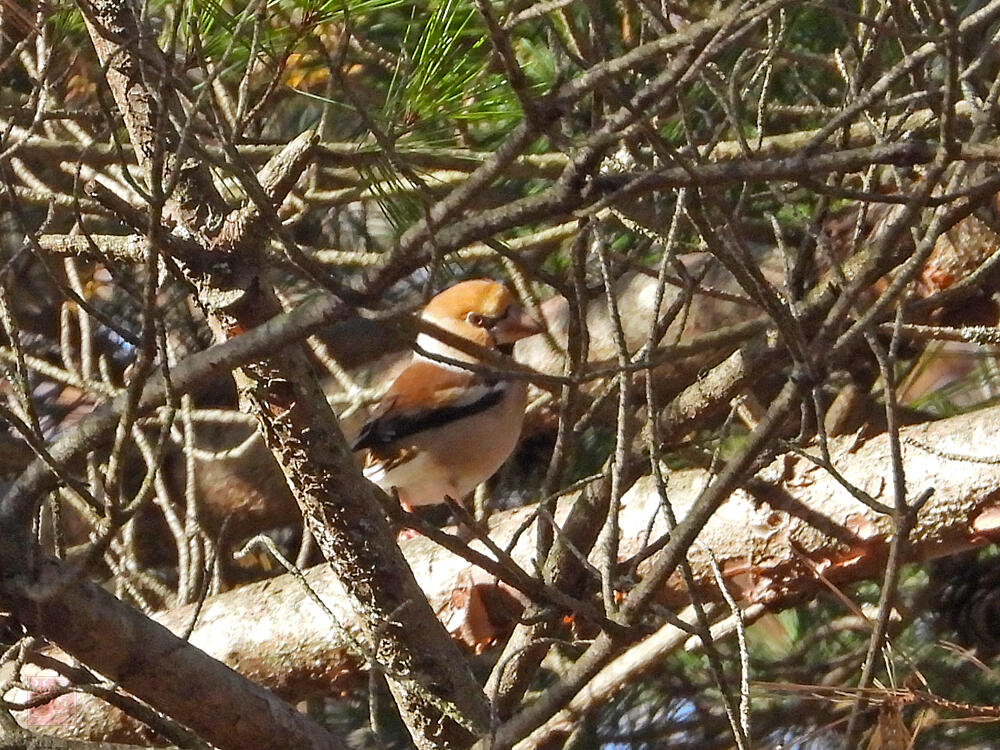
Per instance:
{"type": "Point", "coordinates": [480, 310]}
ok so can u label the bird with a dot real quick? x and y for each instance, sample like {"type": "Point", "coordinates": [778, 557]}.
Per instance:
{"type": "Point", "coordinates": [442, 429]}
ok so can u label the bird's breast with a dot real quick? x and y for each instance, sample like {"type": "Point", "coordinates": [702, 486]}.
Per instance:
{"type": "Point", "coordinates": [452, 459]}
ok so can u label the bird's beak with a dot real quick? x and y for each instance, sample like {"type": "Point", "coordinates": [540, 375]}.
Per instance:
{"type": "Point", "coordinates": [515, 325]}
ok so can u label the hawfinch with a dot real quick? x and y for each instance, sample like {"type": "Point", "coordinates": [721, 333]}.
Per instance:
{"type": "Point", "coordinates": [440, 430]}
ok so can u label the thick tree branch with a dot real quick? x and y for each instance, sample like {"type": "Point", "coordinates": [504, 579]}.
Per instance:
{"type": "Point", "coordinates": [151, 662]}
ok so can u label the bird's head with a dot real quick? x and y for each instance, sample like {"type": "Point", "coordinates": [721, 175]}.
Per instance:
{"type": "Point", "coordinates": [480, 310]}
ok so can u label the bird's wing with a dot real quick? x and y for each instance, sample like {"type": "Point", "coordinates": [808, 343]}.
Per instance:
{"type": "Point", "coordinates": [426, 395]}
